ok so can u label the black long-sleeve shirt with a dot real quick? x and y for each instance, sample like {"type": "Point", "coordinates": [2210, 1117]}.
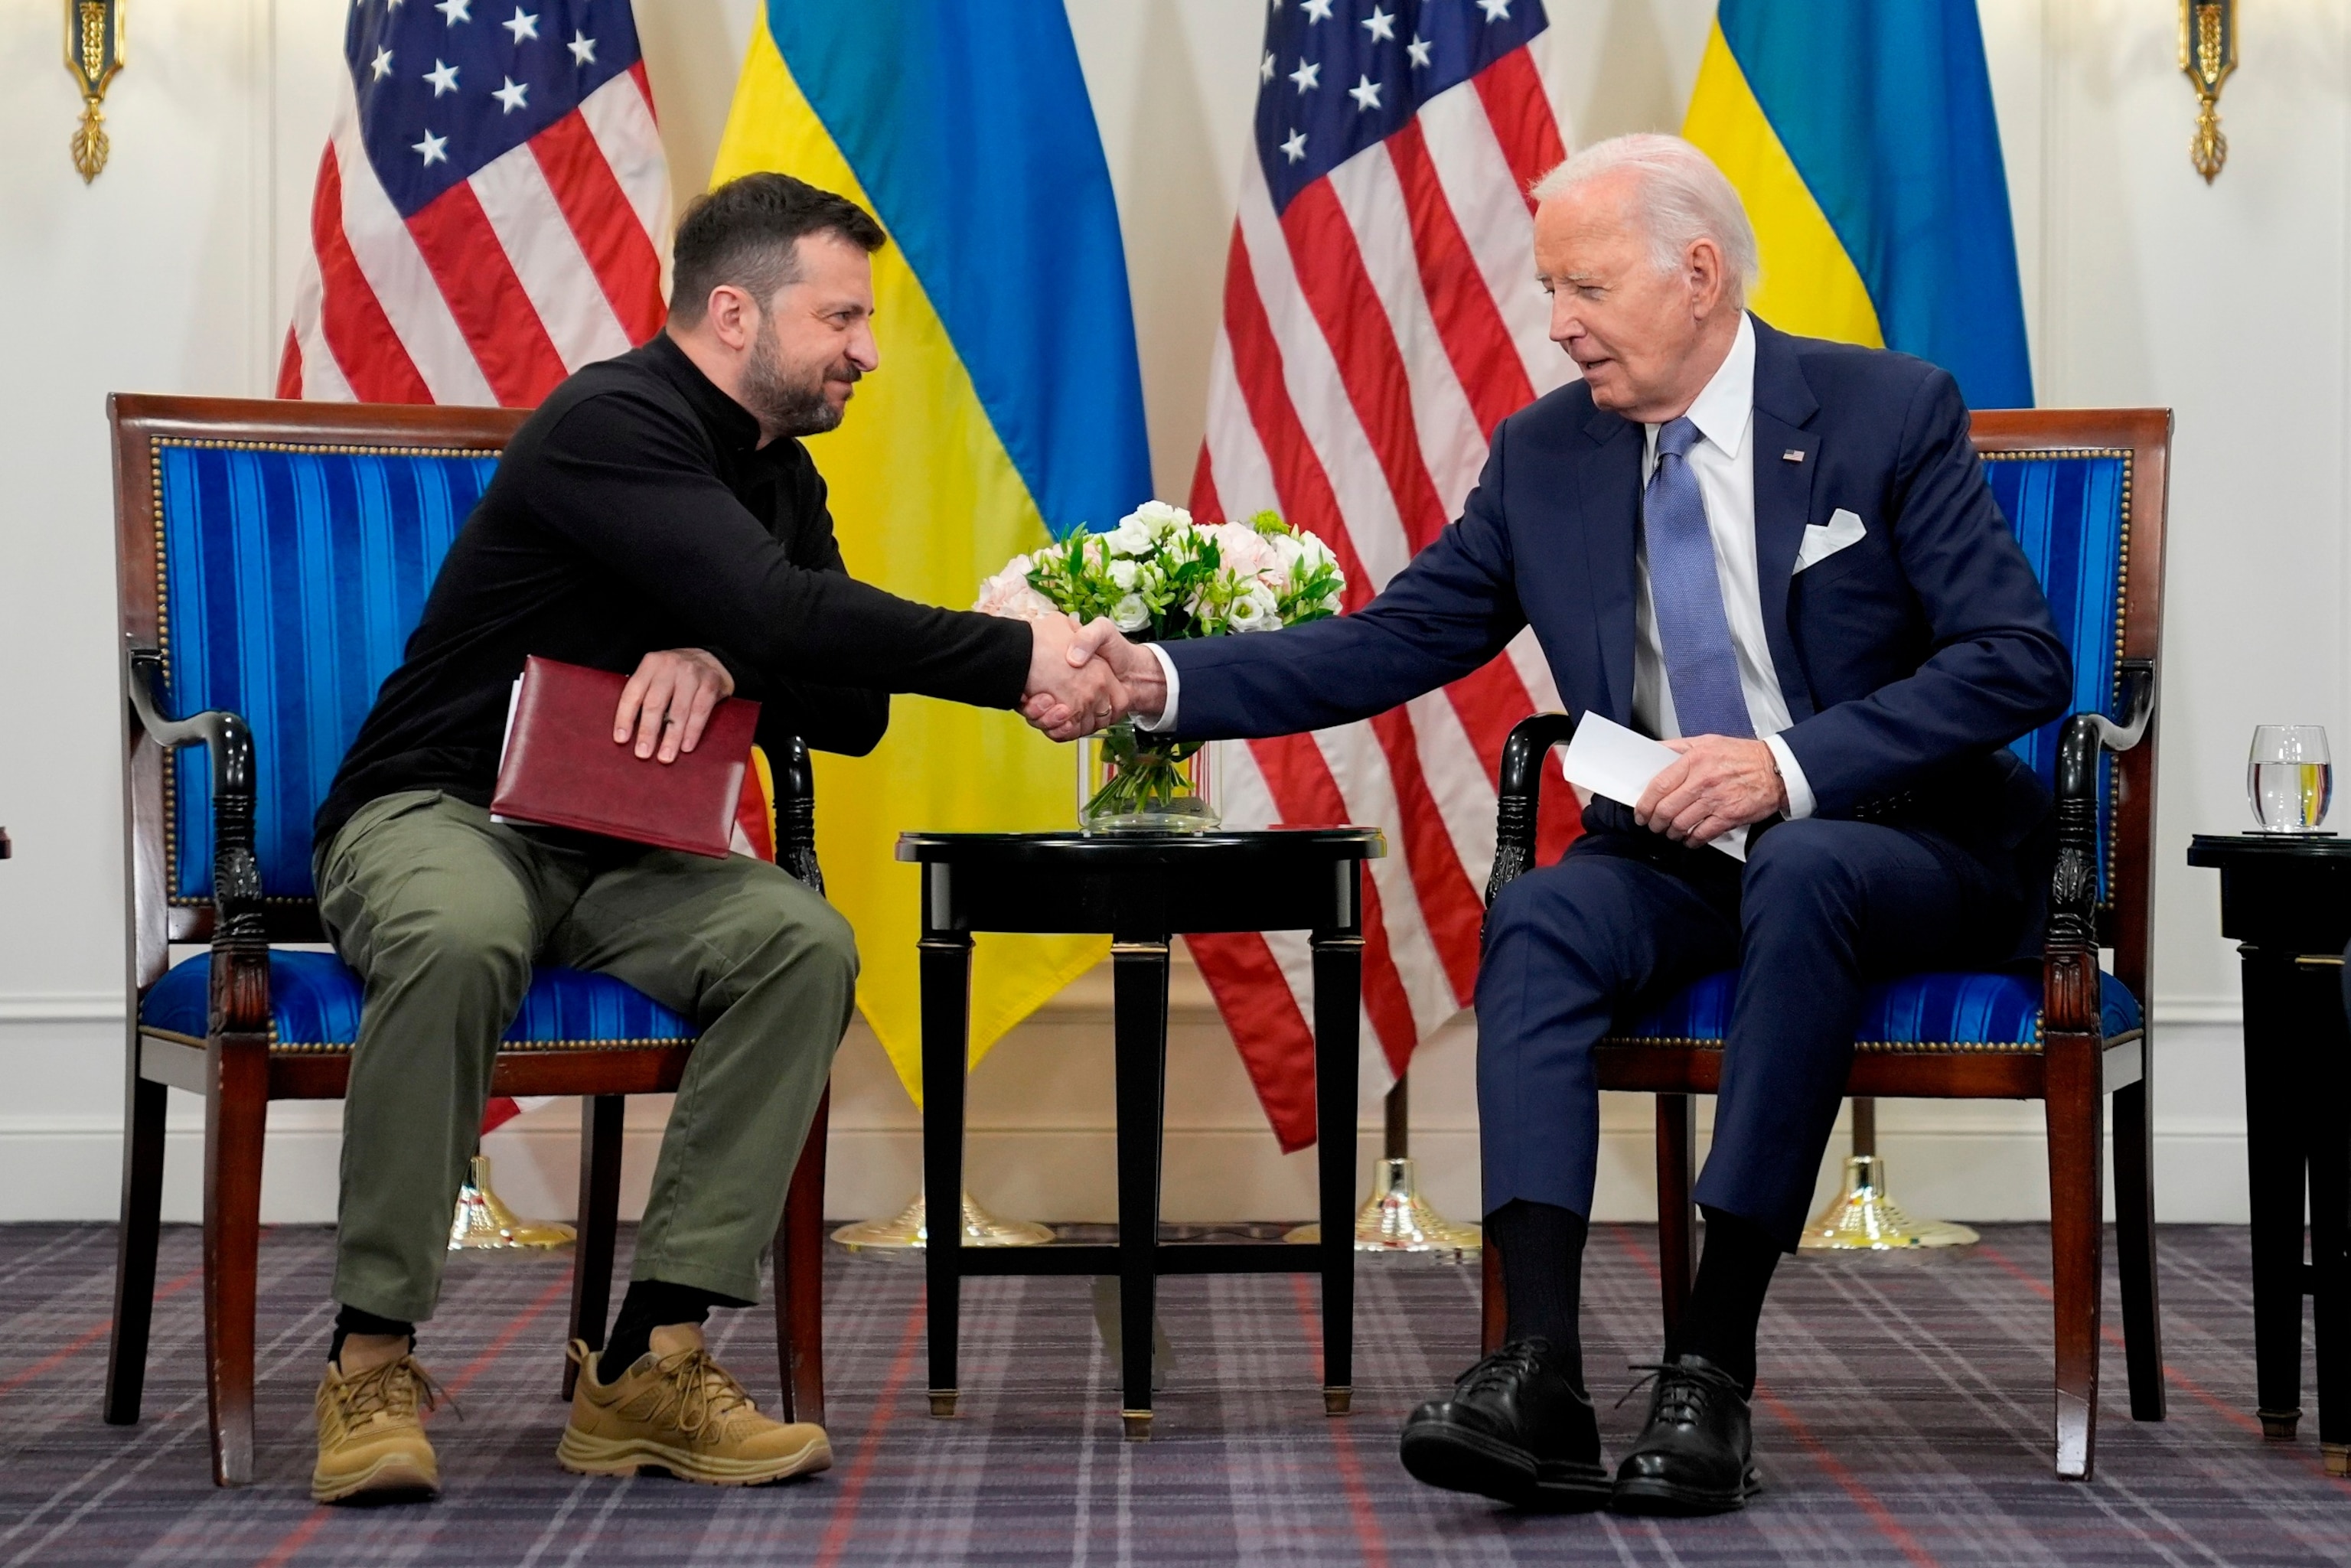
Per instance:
{"type": "Point", "coordinates": [636, 511]}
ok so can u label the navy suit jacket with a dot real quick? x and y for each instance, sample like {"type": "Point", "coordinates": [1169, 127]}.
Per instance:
{"type": "Point", "coordinates": [1909, 660]}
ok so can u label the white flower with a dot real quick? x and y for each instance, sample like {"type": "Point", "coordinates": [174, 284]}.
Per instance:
{"type": "Point", "coordinates": [1130, 615]}
{"type": "Point", "coordinates": [1254, 610]}
{"type": "Point", "coordinates": [1007, 593]}
{"type": "Point", "coordinates": [1159, 518]}
{"type": "Point", "coordinates": [1122, 575]}
{"type": "Point", "coordinates": [1146, 528]}
{"type": "Point", "coordinates": [1131, 538]}
{"type": "Point", "coordinates": [1290, 549]}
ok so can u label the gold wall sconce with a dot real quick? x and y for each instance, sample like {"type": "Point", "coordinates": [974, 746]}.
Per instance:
{"type": "Point", "coordinates": [2208, 53]}
{"type": "Point", "coordinates": [93, 54]}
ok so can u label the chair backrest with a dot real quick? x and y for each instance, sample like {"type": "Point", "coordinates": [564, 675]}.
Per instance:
{"type": "Point", "coordinates": [276, 555]}
{"type": "Point", "coordinates": [2086, 491]}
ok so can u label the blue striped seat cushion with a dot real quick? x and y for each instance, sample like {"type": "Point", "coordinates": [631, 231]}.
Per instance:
{"type": "Point", "coordinates": [314, 1005]}
{"type": "Point", "coordinates": [1946, 1011]}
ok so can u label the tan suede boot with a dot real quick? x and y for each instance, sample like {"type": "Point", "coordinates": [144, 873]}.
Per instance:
{"type": "Point", "coordinates": [678, 1410]}
{"type": "Point", "coordinates": [371, 1443]}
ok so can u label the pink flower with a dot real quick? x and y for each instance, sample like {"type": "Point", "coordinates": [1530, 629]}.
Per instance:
{"type": "Point", "coordinates": [1246, 553]}
{"type": "Point", "coordinates": [1009, 594]}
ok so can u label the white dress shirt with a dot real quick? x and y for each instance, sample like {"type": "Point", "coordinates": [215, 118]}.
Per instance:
{"type": "Point", "coordinates": [1725, 415]}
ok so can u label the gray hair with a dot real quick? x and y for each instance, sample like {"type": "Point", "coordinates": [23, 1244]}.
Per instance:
{"type": "Point", "coordinates": [1680, 197]}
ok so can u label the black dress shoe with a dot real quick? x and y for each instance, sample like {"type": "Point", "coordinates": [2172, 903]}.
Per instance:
{"type": "Point", "coordinates": [1515, 1430]}
{"type": "Point", "coordinates": [1696, 1455]}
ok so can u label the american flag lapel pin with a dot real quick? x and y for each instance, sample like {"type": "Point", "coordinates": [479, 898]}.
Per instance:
{"type": "Point", "coordinates": [1794, 455]}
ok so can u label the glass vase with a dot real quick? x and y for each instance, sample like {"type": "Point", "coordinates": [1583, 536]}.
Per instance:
{"type": "Point", "coordinates": [1129, 782]}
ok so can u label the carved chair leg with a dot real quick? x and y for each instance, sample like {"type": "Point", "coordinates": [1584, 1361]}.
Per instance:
{"type": "Point", "coordinates": [800, 1277]}
{"type": "Point", "coordinates": [600, 1224]}
{"type": "Point", "coordinates": [235, 1124]}
{"type": "Point", "coordinates": [135, 1244]}
{"type": "Point", "coordinates": [1677, 1216]}
{"type": "Point", "coordinates": [2075, 1107]}
{"type": "Point", "coordinates": [2135, 1250]}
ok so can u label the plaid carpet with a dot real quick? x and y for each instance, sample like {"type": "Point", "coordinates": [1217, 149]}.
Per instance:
{"type": "Point", "coordinates": [1904, 1419]}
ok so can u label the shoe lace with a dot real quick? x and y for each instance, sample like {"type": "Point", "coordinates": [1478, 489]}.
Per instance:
{"type": "Point", "coordinates": [1514, 1361]}
{"type": "Point", "coordinates": [697, 1391]}
{"type": "Point", "coordinates": [394, 1388]}
{"type": "Point", "coordinates": [1682, 1390]}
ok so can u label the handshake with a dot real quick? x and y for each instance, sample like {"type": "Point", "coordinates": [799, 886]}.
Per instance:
{"type": "Point", "coordinates": [1081, 679]}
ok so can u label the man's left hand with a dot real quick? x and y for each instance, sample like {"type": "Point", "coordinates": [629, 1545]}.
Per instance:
{"type": "Point", "coordinates": [1719, 784]}
{"type": "Point", "coordinates": [669, 699]}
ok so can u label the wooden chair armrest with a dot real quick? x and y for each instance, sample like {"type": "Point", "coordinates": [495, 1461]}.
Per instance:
{"type": "Point", "coordinates": [1521, 793]}
{"type": "Point", "coordinates": [2070, 1001]}
{"type": "Point", "coordinates": [2097, 731]}
{"type": "Point", "coordinates": [240, 967]}
{"type": "Point", "coordinates": [795, 779]}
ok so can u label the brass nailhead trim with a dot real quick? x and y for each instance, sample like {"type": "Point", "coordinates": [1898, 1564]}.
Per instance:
{"type": "Point", "coordinates": [1889, 1047]}
{"type": "Point", "coordinates": [1875, 1047]}
{"type": "Point", "coordinates": [505, 1047]}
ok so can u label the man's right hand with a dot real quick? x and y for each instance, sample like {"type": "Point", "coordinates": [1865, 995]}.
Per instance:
{"type": "Point", "coordinates": [1137, 671]}
{"type": "Point", "coordinates": [1069, 693]}
{"type": "Point", "coordinates": [1137, 667]}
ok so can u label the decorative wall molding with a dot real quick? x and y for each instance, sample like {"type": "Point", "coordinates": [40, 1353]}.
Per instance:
{"type": "Point", "coordinates": [61, 1007]}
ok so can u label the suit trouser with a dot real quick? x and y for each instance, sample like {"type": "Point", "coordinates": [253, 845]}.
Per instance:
{"type": "Point", "coordinates": [443, 912]}
{"type": "Point", "coordinates": [1821, 910]}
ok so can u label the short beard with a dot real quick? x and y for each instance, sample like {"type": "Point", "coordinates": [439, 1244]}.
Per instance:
{"type": "Point", "coordinates": [782, 405]}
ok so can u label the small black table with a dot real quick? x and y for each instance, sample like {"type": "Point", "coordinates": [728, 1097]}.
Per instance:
{"type": "Point", "coordinates": [2286, 899]}
{"type": "Point", "coordinates": [1143, 890]}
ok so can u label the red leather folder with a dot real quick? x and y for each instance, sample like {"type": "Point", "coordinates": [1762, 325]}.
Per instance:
{"type": "Point", "coordinates": [562, 768]}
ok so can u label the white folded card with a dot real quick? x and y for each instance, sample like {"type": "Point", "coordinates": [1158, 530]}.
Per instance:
{"type": "Point", "coordinates": [1609, 760]}
{"type": "Point", "coordinates": [1823, 540]}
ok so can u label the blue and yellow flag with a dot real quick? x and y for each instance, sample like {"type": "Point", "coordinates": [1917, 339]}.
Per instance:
{"type": "Point", "coordinates": [1008, 407]}
{"type": "Point", "coordinates": [1861, 134]}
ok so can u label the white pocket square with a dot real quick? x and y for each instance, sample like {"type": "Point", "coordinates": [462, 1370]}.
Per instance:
{"type": "Point", "coordinates": [1823, 540]}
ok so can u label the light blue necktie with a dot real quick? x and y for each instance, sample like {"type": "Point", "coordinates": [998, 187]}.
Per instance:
{"type": "Point", "coordinates": [1701, 665]}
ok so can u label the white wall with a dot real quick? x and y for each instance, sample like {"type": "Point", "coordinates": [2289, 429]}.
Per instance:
{"type": "Point", "coordinates": [2142, 285]}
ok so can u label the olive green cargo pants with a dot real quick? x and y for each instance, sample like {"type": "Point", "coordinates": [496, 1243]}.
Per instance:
{"type": "Point", "coordinates": [443, 912]}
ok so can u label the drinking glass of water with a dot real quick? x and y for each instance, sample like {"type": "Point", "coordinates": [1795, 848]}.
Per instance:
{"type": "Point", "coordinates": [2289, 777]}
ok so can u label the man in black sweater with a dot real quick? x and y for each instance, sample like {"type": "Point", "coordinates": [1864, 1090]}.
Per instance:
{"type": "Point", "coordinates": [656, 516]}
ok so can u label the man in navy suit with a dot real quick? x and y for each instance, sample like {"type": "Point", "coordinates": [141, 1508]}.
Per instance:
{"type": "Point", "coordinates": [1779, 556]}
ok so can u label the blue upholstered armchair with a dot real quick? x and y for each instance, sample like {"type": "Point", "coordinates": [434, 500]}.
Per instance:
{"type": "Point", "coordinates": [273, 558]}
{"type": "Point", "coordinates": [2085, 490]}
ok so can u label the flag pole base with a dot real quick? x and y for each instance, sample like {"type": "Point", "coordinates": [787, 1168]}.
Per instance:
{"type": "Point", "coordinates": [909, 1229]}
{"type": "Point", "coordinates": [485, 1224]}
{"type": "Point", "coordinates": [1865, 1218]}
{"type": "Point", "coordinates": [1396, 1218]}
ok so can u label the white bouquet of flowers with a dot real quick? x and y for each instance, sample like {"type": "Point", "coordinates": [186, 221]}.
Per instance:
{"type": "Point", "coordinates": [1159, 576]}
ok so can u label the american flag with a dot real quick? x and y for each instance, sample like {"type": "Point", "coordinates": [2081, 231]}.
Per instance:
{"type": "Point", "coordinates": [1380, 319]}
{"type": "Point", "coordinates": [492, 211]}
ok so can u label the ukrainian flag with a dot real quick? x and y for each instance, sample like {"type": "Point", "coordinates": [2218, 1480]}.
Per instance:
{"type": "Point", "coordinates": [1008, 407]}
{"type": "Point", "coordinates": [1861, 134]}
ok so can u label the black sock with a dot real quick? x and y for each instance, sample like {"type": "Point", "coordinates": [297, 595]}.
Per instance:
{"type": "Point", "coordinates": [349, 1321]}
{"type": "Point", "coordinates": [651, 1304]}
{"type": "Point", "coordinates": [1542, 1276]}
{"type": "Point", "coordinates": [1727, 1303]}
